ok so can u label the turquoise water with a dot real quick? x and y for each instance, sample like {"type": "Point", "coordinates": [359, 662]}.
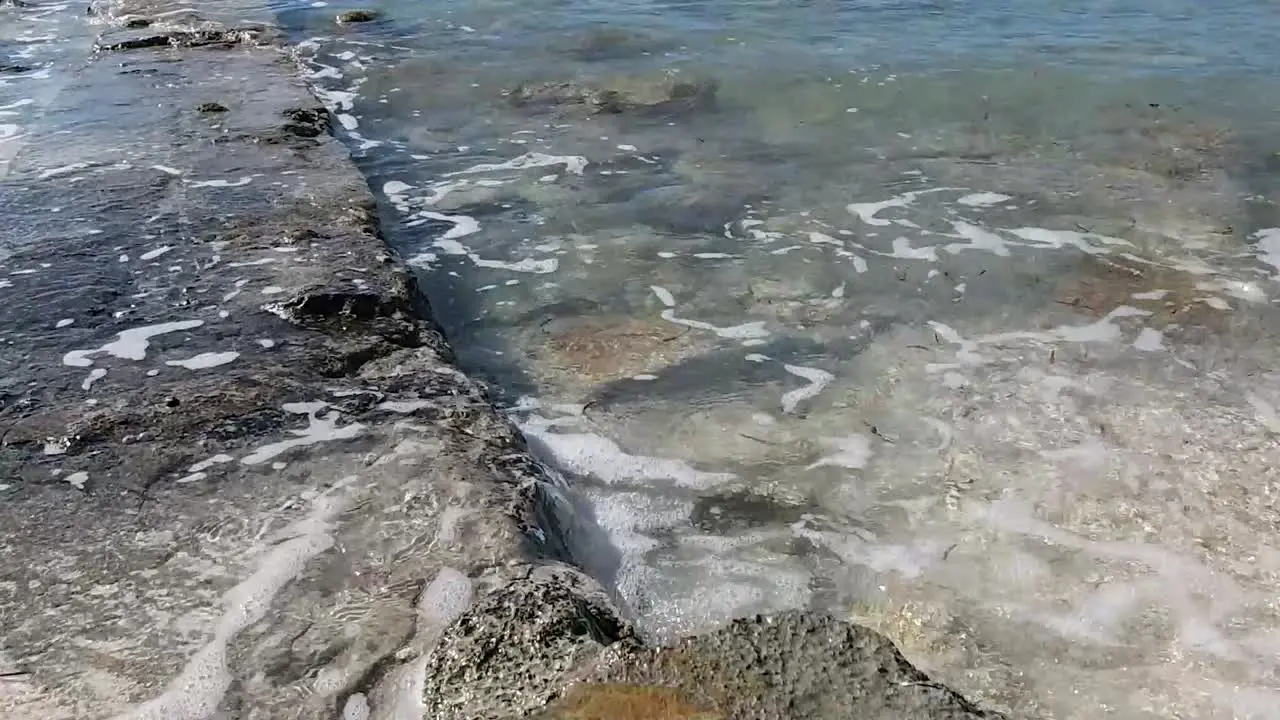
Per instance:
{"type": "Point", "coordinates": [956, 318]}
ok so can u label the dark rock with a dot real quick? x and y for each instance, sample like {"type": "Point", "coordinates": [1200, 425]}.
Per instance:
{"type": "Point", "coordinates": [307, 122]}
{"type": "Point", "coordinates": [138, 23]}
{"type": "Point", "coordinates": [211, 107]}
{"type": "Point", "coordinates": [356, 16]}
{"type": "Point", "coordinates": [193, 39]}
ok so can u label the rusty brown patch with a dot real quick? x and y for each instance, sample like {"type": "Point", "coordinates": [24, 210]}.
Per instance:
{"type": "Point", "coordinates": [1100, 285]}
{"type": "Point", "coordinates": [610, 349]}
{"type": "Point", "coordinates": [627, 702]}
{"type": "Point", "coordinates": [1177, 148]}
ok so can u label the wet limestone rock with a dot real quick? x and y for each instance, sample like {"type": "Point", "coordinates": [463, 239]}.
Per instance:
{"type": "Point", "coordinates": [792, 666]}
{"type": "Point", "coordinates": [589, 351]}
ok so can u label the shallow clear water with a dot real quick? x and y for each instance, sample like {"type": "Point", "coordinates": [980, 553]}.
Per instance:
{"type": "Point", "coordinates": [956, 318]}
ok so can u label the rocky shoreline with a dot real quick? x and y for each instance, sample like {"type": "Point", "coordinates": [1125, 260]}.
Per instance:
{"type": "Point", "coordinates": [242, 477]}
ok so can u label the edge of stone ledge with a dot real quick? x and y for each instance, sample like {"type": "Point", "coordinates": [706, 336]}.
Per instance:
{"type": "Point", "coordinates": [546, 520]}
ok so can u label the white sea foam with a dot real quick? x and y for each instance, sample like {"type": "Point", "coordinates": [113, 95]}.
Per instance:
{"type": "Point", "coordinates": [745, 331]}
{"type": "Point", "coordinates": [318, 430]}
{"type": "Point", "coordinates": [1149, 340]}
{"type": "Point", "coordinates": [868, 212]}
{"type": "Point", "coordinates": [443, 601]}
{"type": "Point", "coordinates": [983, 199]}
{"type": "Point", "coordinates": [979, 239]}
{"type": "Point", "coordinates": [602, 458]}
{"type": "Point", "coordinates": [853, 452]}
{"type": "Point", "coordinates": [527, 265]}
{"type": "Point", "coordinates": [1268, 244]}
{"type": "Point", "coordinates": [574, 164]}
{"type": "Point", "coordinates": [95, 375]}
{"type": "Point", "coordinates": [818, 380]}
{"type": "Point", "coordinates": [204, 360]}
{"type": "Point", "coordinates": [210, 462]}
{"type": "Point", "coordinates": [129, 344]}
{"type": "Point", "coordinates": [64, 170]}
{"type": "Point", "coordinates": [245, 180]}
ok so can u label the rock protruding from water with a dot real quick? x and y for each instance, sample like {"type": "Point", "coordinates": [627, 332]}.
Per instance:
{"type": "Point", "coordinates": [356, 16]}
{"type": "Point", "coordinates": [516, 648]}
{"type": "Point", "coordinates": [793, 666]}
{"type": "Point", "coordinates": [551, 646]}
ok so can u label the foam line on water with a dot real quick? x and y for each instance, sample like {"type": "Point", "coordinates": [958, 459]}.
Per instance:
{"type": "Point", "coordinates": [754, 330]}
{"type": "Point", "coordinates": [983, 199]}
{"type": "Point", "coordinates": [868, 212]}
{"type": "Point", "coordinates": [443, 601]}
{"type": "Point", "coordinates": [818, 380]}
{"type": "Point", "coordinates": [852, 452]}
{"type": "Point", "coordinates": [594, 455]}
{"type": "Point", "coordinates": [1267, 242]}
{"type": "Point", "coordinates": [574, 164]}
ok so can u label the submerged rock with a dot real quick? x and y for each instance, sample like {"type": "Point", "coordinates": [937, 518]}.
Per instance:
{"type": "Point", "coordinates": [666, 92]}
{"type": "Point", "coordinates": [595, 350]}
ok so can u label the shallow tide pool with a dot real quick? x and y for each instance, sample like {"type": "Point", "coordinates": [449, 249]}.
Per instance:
{"type": "Point", "coordinates": [955, 318]}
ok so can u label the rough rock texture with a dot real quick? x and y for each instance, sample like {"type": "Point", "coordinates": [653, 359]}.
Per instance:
{"type": "Point", "coordinates": [239, 475]}
{"type": "Point", "coordinates": [795, 665]}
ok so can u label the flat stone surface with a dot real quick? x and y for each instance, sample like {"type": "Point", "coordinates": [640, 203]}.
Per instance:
{"type": "Point", "coordinates": [239, 475]}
